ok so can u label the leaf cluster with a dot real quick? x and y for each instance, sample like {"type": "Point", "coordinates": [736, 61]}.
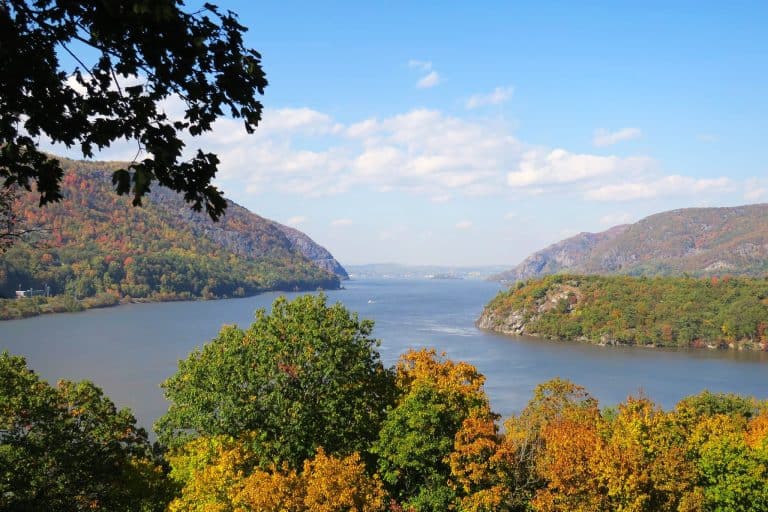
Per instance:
{"type": "Point", "coordinates": [143, 54]}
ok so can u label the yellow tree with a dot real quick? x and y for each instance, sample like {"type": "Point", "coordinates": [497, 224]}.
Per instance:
{"type": "Point", "coordinates": [334, 484]}
{"type": "Point", "coordinates": [570, 446]}
{"type": "Point", "coordinates": [552, 402]}
{"type": "Point", "coordinates": [482, 466]}
{"type": "Point", "coordinates": [270, 491]}
{"type": "Point", "coordinates": [211, 471]}
{"type": "Point", "coordinates": [643, 464]}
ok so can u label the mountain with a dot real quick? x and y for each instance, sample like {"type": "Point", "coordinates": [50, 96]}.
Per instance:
{"type": "Point", "coordinates": [96, 244]}
{"type": "Point", "coordinates": [400, 271]}
{"type": "Point", "coordinates": [696, 241]}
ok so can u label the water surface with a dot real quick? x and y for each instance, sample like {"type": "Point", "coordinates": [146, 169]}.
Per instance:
{"type": "Point", "coordinates": [129, 350]}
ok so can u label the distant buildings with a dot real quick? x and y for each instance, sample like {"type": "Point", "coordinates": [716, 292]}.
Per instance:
{"type": "Point", "coordinates": [20, 294]}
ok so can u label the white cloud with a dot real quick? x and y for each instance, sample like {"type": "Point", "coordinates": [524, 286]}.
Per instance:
{"type": "Point", "coordinates": [341, 222]}
{"type": "Point", "coordinates": [428, 153]}
{"type": "Point", "coordinates": [295, 119]}
{"type": "Point", "coordinates": [757, 194]}
{"type": "Point", "coordinates": [614, 219]}
{"type": "Point", "coordinates": [604, 137]}
{"type": "Point", "coordinates": [393, 233]}
{"type": "Point", "coordinates": [498, 96]}
{"type": "Point", "coordinates": [424, 152]}
{"type": "Point", "coordinates": [755, 190]}
{"type": "Point", "coordinates": [464, 224]}
{"type": "Point", "coordinates": [296, 221]}
{"type": "Point", "coordinates": [429, 80]}
{"type": "Point", "coordinates": [511, 216]}
{"type": "Point", "coordinates": [559, 167]}
{"type": "Point", "coordinates": [431, 77]}
{"type": "Point", "coordinates": [673, 185]}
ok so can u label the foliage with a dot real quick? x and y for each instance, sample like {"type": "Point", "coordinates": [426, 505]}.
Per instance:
{"type": "Point", "coordinates": [305, 376]}
{"type": "Point", "coordinates": [147, 53]}
{"type": "Point", "coordinates": [98, 246]}
{"type": "Point", "coordinates": [417, 437]}
{"type": "Point", "coordinates": [218, 474]}
{"type": "Point", "coordinates": [661, 311]}
{"type": "Point", "coordinates": [68, 448]}
{"type": "Point", "coordinates": [13, 228]}
{"type": "Point", "coordinates": [210, 472]}
{"type": "Point", "coordinates": [645, 459]}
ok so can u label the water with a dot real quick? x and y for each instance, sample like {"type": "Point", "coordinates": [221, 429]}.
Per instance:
{"type": "Point", "coordinates": [129, 350]}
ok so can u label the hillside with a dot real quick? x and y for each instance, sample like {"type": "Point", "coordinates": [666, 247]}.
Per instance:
{"type": "Point", "coordinates": [697, 241]}
{"type": "Point", "coordinates": [659, 311]}
{"type": "Point", "coordinates": [99, 245]}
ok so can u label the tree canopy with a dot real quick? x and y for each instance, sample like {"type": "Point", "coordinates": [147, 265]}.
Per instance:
{"type": "Point", "coordinates": [143, 53]}
{"type": "Point", "coordinates": [305, 376]}
{"type": "Point", "coordinates": [68, 448]}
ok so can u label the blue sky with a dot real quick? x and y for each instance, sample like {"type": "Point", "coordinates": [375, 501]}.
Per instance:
{"type": "Point", "coordinates": [479, 132]}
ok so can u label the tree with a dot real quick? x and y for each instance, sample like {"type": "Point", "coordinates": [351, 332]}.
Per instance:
{"type": "Point", "coordinates": [217, 474]}
{"type": "Point", "coordinates": [733, 474]}
{"type": "Point", "coordinates": [67, 448]}
{"type": "Point", "coordinates": [303, 377]}
{"type": "Point", "coordinates": [418, 435]}
{"type": "Point", "coordinates": [146, 52]}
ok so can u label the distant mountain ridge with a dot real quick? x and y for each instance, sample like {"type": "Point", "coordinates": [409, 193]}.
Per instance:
{"type": "Point", "coordinates": [99, 245]}
{"type": "Point", "coordinates": [697, 241]}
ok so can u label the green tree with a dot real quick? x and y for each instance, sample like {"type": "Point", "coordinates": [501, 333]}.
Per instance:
{"type": "Point", "coordinates": [418, 435]}
{"type": "Point", "coordinates": [413, 446]}
{"type": "Point", "coordinates": [67, 448]}
{"type": "Point", "coordinates": [734, 476]}
{"type": "Point", "coordinates": [308, 375]}
{"type": "Point", "coordinates": [158, 51]}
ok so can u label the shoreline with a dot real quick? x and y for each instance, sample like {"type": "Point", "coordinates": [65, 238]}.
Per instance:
{"type": "Point", "coordinates": [736, 346]}
{"type": "Point", "coordinates": [63, 304]}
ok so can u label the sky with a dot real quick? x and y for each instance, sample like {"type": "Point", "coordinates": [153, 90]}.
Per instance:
{"type": "Point", "coordinates": [473, 133]}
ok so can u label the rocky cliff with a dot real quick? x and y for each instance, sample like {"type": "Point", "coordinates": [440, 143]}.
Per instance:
{"type": "Point", "coordinates": [244, 233]}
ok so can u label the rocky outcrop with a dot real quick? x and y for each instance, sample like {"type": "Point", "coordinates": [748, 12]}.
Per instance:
{"type": "Point", "coordinates": [512, 323]}
{"type": "Point", "coordinates": [517, 321]}
{"type": "Point", "coordinates": [312, 251]}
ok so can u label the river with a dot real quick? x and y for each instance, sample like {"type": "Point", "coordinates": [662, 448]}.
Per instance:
{"type": "Point", "coordinates": [129, 350]}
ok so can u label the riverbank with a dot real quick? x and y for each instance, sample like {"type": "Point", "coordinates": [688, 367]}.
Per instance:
{"type": "Point", "coordinates": [27, 307]}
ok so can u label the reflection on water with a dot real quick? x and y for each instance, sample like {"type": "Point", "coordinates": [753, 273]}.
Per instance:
{"type": "Point", "coordinates": [130, 349]}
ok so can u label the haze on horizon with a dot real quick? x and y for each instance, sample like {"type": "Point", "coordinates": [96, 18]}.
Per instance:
{"type": "Point", "coordinates": [476, 134]}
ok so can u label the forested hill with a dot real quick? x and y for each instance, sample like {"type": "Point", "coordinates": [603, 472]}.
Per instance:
{"type": "Point", "coordinates": [659, 311]}
{"type": "Point", "coordinates": [97, 244]}
{"type": "Point", "coordinates": [697, 241]}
